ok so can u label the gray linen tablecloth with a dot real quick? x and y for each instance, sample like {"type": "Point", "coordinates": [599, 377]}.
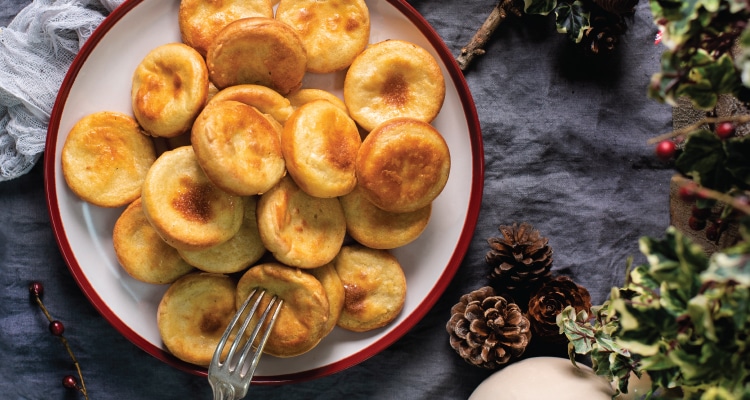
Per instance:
{"type": "Point", "coordinates": [565, 150]}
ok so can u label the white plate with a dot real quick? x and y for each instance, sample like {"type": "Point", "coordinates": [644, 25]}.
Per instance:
{"type": "Point", "coordinates": [99, 79]}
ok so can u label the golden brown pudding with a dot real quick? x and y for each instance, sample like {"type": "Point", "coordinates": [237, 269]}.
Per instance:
{"type": "Point", "coordinates": [334, 289]}
{"type": "Point", "coordinates": [374, 287]}
{"type": "Point", "coordinates": [187, 210]}
{"type": "Point", "coordinates": [261, 51]}
{"type": "Point", "coordinates": [193, 314]}
{"type": "Point", "coordinates": [238, 148]}
{"type": "Point", "coordinates": [170, 87]}
{"type": "Point", "coordinates": [300, 230]}
{"type": "Point", "coordinates": [380, 229]}
{"type": "Point", "coordinates": [141, 251]}
{"type": "Point", "coordinates": [334, 32]}
{"type": "Point", "coordinates": [265, 99]}
{"type": "Point", "coordinates": [403, 165]}
{"type": "Point", "coordinates": [302, 320]}
{"type": "Point", "coordinates": [237, 253]}
{"type": "Point", "coordinates": [320, 143]}
{"type": "Point", "coordinates": [106, 157]}
{"type": "Point", "coordinates": [200, 21]}
{"type": "Point", "coordinates": [391, 79]}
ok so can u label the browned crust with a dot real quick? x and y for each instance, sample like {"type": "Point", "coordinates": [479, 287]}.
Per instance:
{"type": "Point", "coordinates": [403, 165]}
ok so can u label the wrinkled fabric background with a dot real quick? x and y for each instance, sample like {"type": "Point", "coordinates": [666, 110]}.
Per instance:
{"type": "Point", "coordinates": [565, 150]}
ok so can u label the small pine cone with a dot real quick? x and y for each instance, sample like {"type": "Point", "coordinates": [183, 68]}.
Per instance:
{"type": "Point", "coordinates": [604, 33]}
{"type": "Point", "coordinates": [547, 302]}
{"type": "Point", "coordinates": [599, 41]}
{"type": "Point", "coordinates": [486, 330]}
{"type": "Point", "coordinates": [521, 259]}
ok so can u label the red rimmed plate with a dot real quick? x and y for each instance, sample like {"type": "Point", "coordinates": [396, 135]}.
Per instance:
{"type": "Point", "coordinates": [99, 79]}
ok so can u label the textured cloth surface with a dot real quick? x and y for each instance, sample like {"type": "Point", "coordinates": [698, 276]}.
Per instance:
{"type": "Point", "coordinates": [36, 49]}
{"type": "Point", "coordinates": [565, 150]}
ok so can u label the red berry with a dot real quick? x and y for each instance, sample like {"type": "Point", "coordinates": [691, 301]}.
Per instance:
{"type": "Point", "coordinates": [725, 130]}
{"type": "Point", "coordinates": [696, 224]}
{"type": "Point", "coordinates": [36, 289]}
{"type": "Point", "coordinates": [70, 382]}
{"type": "Point", "coordinates": [712, 232]}
{"type": "Point", "coordinates": [666, 149]}
{"type": "Point", "coordinates": [688, 192]}
{"type": "Point", "coordinates": [56, 328]}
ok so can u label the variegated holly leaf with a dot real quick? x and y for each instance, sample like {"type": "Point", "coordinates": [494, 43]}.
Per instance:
{"type": "Point", "coordinates": [726, 267]}
{"type": "Point", "coordinates": [642, 326]}
{"type": "Point", "coordinates": [697, 63]}
{"type": "Point", "coordinates": [703, 159]}
{"type": "Point", "coordinates": [738, 154]}
{"type": "Point", "coordinates": [572, 19]}
{"type": "Point", "coordinates": [674, 260]}
{"type": "Point", "coordinates": [541, 7]}
{"type": "Point", "coordinates": [707, 79]}
{"type": "Point", "coordinates": [576, 328]}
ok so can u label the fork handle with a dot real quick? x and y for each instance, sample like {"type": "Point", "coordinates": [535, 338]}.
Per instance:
{"type": "Point", "coordinates": [223, 391]}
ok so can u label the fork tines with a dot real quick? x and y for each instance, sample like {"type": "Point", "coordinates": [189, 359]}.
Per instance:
{"type": "Point", "coordinates": [236, 362]}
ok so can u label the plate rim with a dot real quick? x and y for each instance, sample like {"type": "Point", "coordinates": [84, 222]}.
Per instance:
{"type": "Point", "coordinates": [467, 231]}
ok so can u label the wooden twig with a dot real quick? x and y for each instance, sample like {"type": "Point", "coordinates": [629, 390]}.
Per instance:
{"type": "Point", "coordinates": [476, 46]}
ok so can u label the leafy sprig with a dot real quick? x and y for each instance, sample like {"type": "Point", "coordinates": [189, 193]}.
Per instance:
{"type": "Point", "coordinates": [715, 163]}
{"type": "Point", "coordinates": [683, 317]}
{"type": "Point", "coordinates": [698, 62]}
{"type": "Point", "coordinates": [571, 18]}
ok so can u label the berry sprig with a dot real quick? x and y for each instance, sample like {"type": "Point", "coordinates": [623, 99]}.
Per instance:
{"type": "Point", "coordinates": [36, 290]}
{"type": "Point", "coordinates": [689, 191]}
{"type": "Point", "coordinates": [723, 132]}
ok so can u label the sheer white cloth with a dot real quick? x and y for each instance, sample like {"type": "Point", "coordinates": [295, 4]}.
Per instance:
{"type": "Point", "coordinates": [36, 49]}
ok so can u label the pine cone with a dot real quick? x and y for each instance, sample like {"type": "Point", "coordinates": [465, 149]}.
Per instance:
{"type": "Point", "coordinates": [547, 302]}
{"type": "Point", "coordinates": [604, 33]}
{"type": "Point", "coordinates": [521, 259]}
{"type": "Point", "coordinates": [486, 330]}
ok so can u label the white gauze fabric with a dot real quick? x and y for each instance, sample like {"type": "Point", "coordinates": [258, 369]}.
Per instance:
{"type": "Point", "coordinates": [36, 50]}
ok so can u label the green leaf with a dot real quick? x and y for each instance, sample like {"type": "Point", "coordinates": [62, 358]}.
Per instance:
{"type": "Point", "coordinates": [672, 10]}
{"type": "Point", "coordinates": [576, 328]}
{"type": "Point", "coordinates": [703, 159]}
{"type": "Point", "coordinates": [572, 19]}
{"type": "Point", "coordinates": [657, 362]}
{"type": "Point", "coordinates": [701, 364]}
{"type": "Point", "coordinates": [708, 78]}
{"type": "Point", "coordinates": [738, 154]}
{"type": "Point", "coordinates": [681, 16]}
{"type": "Point", "coordinates": [717, 393]}
{"type": "Point", "coordinates": [541, 7]}
{"type": "Point", "coordinates": [700, 93]}
{"type": "Point", "coordinates": [728, 267]}
{"type": "Point", "coordinates": [699, 310]}
{"type": "Point", "coordinates": [675, 259]}
{"type": "Point", "coordinates": [720, 73]}
{"type": "Point", "coordinates": [641, 327]}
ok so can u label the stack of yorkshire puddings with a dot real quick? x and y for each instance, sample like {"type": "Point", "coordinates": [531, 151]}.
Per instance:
{"type": "Point", "coordinates": [234, 177]}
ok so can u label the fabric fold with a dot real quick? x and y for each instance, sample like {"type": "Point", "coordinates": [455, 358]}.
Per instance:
{"type": "Point", "coordinates": [36, 50]}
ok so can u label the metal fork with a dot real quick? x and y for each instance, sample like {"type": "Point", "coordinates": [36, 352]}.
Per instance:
{"type": "Point", "coordinates": [230, 378]}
